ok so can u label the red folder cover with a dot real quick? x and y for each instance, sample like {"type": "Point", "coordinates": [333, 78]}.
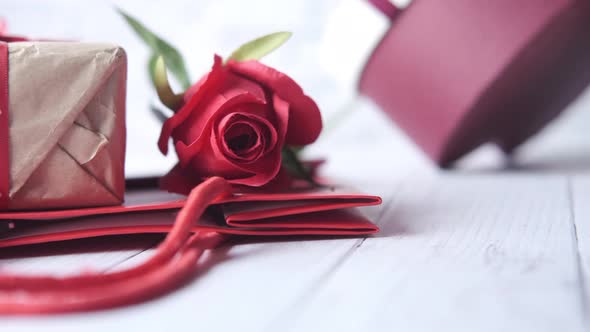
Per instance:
{"type": "Point", "coordinates": [296, 211]}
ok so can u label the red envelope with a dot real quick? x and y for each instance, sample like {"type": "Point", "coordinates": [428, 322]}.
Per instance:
{"type": "Point", "coordinates": [315, 211]}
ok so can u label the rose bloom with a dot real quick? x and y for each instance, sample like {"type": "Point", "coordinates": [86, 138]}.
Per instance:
{"type": "Point", "coordinates": [234, 123]}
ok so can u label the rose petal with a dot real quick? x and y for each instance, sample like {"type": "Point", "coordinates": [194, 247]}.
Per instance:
{"type": "Point", "coordinates": [238, 83]}
{"type": "Point", "coordinates": [191, 129]}
{"type": "Point", "coordinates": [194, 88]}
{"type": "Point", "coordinates": [254, 174]}
{"type": "Point", "coordinates": [305, 122]}
{"type": "Point", "coordinates": [213, 81]}
{"type": "Point", "coordinates": [186, 152]}
{"type": "Point", "coordinates": [268, 167]}
{"type": "Point", "coordinates": [249, 153]}
{"type": "Point", "coordinates": [270, 143]}
{"type": "Point", "coordinates": [242, 134]}
{"type": "Point", "coordinates": [282, 109]}
{"type": "Point", "coordinates": [211, 160]}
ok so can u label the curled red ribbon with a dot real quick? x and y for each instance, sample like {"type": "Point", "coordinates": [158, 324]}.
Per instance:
{"type": "Point", "coordinates": [173, 263]}
{"type": "Point", "coordinates": [4, 135]}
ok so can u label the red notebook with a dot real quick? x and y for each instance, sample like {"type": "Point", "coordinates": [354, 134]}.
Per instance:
{"type": "Point", "coordinates": [300, 211]}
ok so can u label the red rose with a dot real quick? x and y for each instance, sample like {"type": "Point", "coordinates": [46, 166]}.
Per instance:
{"type": "Point", "coordinates": [235, 121]}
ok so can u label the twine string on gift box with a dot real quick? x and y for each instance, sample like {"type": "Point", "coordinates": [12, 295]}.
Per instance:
{"type": "Point", "coordinates": [175, 261]}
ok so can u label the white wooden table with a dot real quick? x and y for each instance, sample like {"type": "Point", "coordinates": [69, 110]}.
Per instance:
{"type": "Point", "coordinates": [484, 247]}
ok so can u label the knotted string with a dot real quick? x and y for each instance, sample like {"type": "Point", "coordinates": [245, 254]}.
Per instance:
{"type": "Point", "coordinates": [174, 262]}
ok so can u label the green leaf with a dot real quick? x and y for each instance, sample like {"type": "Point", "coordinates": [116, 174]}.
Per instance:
{"type": "Point", "coordinates": [152, 66]}
{"type": "Point", "coordinates": [159, 46]}
{"type": "Point", "coordinates": [158, 113]}
{"type": "Point", "coordinates": [259, 47]}
{"type": "Point", "coordinates": [160, 79]}
{"type": "Point", "coordinates": [295, 167]}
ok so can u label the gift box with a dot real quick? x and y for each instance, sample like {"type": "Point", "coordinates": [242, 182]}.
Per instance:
{"type": "Point", "coordinates": [62, 125]}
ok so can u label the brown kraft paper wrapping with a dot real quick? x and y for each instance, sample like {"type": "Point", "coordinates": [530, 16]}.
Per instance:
{"type": "Point", "coordinates": [66, 124]}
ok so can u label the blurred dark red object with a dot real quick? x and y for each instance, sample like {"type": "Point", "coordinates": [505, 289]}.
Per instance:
{"type": "Point", "coordinates": [456, 74]}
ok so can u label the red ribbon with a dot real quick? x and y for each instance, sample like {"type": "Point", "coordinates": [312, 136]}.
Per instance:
{"type": "Point", "coordinates": [386, 7]}
{"type": "Point", "coordinates": [4, 136]}
{"type": "Point", "coordinates": [4, 37]}
{"type": "Point", "coordinates": [173, 263]}
{"type": "Point", "coordinates": [10, 39]}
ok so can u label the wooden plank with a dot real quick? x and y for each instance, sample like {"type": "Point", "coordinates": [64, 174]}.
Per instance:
{"type": "Point", "coordinates": [71, 257]}
{"type": "Point", "coordinates": [253, 278]}
{"type": "Point", "coordinates": [243, 287]}
{"type": "Point", "coordinates": [460, 253]}
{"type": "Point", "coordinates": [580, 187]}
{"type": "Point", "coordinates": [463, 253]}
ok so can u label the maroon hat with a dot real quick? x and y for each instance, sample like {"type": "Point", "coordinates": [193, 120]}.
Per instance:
{"type": "Point", "coordinates": [455, 74]}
